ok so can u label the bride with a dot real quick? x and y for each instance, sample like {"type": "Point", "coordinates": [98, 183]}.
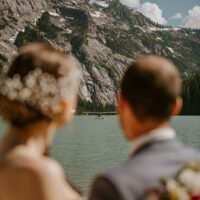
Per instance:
{"type": "Point", "coordinates": [37, 96]}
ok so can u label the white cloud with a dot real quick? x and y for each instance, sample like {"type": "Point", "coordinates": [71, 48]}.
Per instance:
{"type": "Point", "coordinates": [131, 3]}
{"type": "Point", "coordinates": [176, 16]}
{"type": "Point", "coordinates": [192, 20]}
{"type": "Point", "coordinates": [152, 11]}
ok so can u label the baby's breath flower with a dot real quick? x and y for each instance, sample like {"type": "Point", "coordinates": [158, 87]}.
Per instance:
{"type": "Point", "coordinates": [40, 90]}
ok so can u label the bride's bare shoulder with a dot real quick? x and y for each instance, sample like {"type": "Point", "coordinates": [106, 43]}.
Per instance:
{"type": "Point", "coordinates": [47, 167]}
{"type": "Point", "coordinates": [48, 176]}
{"type": "Point", "coordinates": [32, 178]}
{"type": "Point", "coordinates": [51, 176]}
{"type": "Point", "coordinates": [40, 167]}
{"type": "Point", "coordinates": [36, 164]}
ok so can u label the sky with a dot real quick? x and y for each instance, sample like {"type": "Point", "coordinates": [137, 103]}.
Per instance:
{"type": "Point", "coordinates": [181, 13]}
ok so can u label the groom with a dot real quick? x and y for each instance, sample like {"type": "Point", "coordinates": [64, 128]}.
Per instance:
{"type": "Point", "coordinates": [150, 95]}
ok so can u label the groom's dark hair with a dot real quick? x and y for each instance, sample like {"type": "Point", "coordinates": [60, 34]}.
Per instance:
{"type": "Point", "coordinates": [151, 85]}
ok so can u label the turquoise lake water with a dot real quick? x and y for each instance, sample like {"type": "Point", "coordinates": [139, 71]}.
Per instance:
{"type": "Point", "coordinates": [88, 146]}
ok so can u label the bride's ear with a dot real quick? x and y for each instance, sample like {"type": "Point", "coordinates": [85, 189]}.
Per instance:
{"type": "Point", "coordinates": [68, 109]}
{"type": "Point", "coordinates": [64, 105]}
{"type": "Point", "coordinates": [64, 116]}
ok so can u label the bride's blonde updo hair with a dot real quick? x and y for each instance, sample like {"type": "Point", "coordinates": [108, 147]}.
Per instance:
{"type": "Point", "coordinates": [37, 81]}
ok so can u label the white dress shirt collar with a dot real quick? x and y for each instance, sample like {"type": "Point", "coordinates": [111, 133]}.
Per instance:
{"type": "Point", "coordinates": [159, 134]}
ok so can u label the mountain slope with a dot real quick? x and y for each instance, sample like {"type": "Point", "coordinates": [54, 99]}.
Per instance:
{"type": "Point", "coordinates": [104, 35]}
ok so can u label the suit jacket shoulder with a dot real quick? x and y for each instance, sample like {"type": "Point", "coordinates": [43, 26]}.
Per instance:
{"type": "Point", "coordinates": [144, 169]}
{"type": "Point", "coordinates": [103, 189]}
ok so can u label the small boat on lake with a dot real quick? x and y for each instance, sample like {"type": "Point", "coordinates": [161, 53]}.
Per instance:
{"type": "Point", "coordinates": [99, 116]}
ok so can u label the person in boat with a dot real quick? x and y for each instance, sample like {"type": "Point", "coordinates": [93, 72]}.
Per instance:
{"type": "Point", "coordinates": [38, 95]}
{"type": "Point", "coordinates": [150, 95]}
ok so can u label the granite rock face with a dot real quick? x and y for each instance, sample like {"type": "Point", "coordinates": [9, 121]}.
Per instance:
{"type": "Point", "coordinates": [103, 35]}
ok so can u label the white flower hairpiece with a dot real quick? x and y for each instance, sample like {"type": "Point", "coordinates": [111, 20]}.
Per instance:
{"type": "Point", "coordinates": [40, 90]}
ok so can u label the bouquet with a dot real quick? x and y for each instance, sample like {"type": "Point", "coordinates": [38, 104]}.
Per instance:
{"type": "Point", "coordinates": [185, 186]}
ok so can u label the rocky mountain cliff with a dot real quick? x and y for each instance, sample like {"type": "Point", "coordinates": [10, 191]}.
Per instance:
{"type": "Point", "coordinates": [104, 35]}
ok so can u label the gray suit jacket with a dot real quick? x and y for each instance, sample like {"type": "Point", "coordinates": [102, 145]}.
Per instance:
{"type": "Point", "coordinates": [142, 171]}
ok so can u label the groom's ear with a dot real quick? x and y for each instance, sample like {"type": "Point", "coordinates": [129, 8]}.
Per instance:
{"type": "Point", "coordinates": [177, 106]}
